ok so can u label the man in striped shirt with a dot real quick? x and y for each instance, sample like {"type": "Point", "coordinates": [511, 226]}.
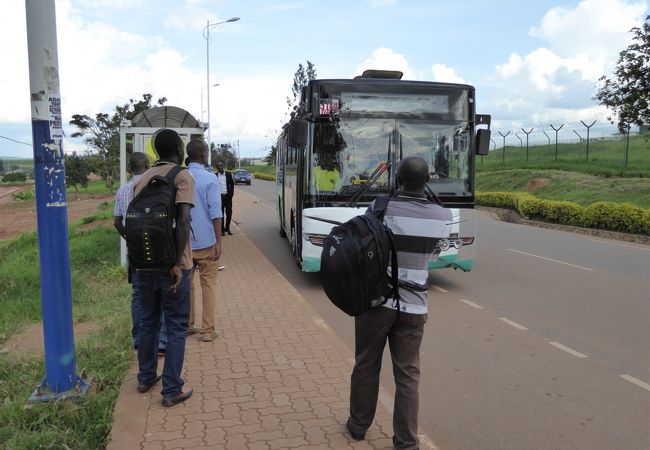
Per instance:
{"type": "Point", "coordinates": [418, 225]}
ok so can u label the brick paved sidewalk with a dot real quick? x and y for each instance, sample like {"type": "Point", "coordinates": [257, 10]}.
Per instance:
{"type": "Point", "coordinates": [276, 377]}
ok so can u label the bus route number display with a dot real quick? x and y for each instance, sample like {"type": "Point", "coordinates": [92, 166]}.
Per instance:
{"type": "Point", "coordinates": [329, 106]}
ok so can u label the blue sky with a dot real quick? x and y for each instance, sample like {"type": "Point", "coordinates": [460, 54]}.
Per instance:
{"type": "Point", "coordinates": [532, 63]}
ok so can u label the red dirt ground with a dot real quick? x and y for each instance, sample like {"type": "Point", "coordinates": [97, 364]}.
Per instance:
{"type": "Point", "coordinates": [18, 216]}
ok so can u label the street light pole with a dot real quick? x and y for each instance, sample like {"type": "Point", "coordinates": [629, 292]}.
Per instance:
{"type": "Point", "coordinates": [206, 35]}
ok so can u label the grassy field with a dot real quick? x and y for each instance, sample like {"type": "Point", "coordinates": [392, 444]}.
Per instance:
{"type": "Point", "coordinates": [577, 187]}
{"type": "Point", "coordinates": [100, 295]}
{"type": "Point", "coordinates": [606, 158]}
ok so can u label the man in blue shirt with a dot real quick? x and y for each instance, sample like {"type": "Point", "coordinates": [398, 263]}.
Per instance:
{"type": "Point", "coordinates": [206, 245]}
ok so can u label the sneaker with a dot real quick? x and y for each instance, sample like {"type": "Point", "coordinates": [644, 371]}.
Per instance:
{"type": "Point", "coordinates": [171, 400]}
{"type": "Point", "coordinates": [193, 330]}
{"type": "Point", "coordinates": [355, 435]}
{"type": "Point", "coordinates": [208, 337]}
{"type": "Point", "coordinates": [144, 387]}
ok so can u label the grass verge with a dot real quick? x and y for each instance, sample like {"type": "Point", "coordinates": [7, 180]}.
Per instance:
{"type": "Point", "coordinates": [101, 295]}
{"type": "Point", "coordinates": [583, 189]}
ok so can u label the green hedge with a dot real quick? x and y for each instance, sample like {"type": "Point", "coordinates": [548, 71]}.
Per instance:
{"type": "Point", "coordinates": [605, 215]}
{"type": "Point", "coordinates": [263, 176]}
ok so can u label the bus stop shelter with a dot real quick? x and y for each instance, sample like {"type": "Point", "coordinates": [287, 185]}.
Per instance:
{"type": "Point", "coordinates": [139, 131]}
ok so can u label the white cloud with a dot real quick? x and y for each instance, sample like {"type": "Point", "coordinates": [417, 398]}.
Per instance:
{"type": "Point", "coordinates": [386, 59]}
{"type": "Point", "coordinates": [593, 27]}
{"type": "Point", "coordinates": [446, 74]}
{"type": "Point", "coordinates": [557, 82]}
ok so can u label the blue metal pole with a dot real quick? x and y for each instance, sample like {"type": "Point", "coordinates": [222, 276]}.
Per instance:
{"type": "Point", "coordinates": [61, 380]}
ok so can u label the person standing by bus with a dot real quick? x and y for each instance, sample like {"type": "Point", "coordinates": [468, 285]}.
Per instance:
{"type": "Point", "coordinates": [227, 192]}
{"type": "Point", "coordinates": [412, 218]}
{"type": "Point", "coordinates": [167, 291]}
{"type": "Point", "coordinates": [205, 238]}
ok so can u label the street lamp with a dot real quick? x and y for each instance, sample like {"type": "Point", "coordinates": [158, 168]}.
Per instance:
{"type": "Point", "coordinates": [206, 35]}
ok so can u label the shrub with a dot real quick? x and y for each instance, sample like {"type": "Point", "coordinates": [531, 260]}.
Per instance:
{"type": "Point", "coordinates": [610, 216]}
{"type": "Point", "coordinates": [567, 213]}
{"type": "Point", "coordinates": [615, 216]}
{"type": "Point", "coordinates": [497, 199]}
{"type": "Point", "coordinates": [264, 176]}
{"type": "Point", "coordinates": [15, 177]}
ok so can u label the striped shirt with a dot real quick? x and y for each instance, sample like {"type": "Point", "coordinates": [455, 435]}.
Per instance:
{"type": "Point", "coordinates": [417, 225]}
{"type": "Point", "coordinates": [123, 197]}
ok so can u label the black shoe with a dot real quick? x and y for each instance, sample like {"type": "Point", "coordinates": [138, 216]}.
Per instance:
{"type": "Point", "coordinates": [144, 387]}
{"type": "Point", "coordinates": [176, 399]}
{"type": "Point", "coordinates": [356, 436]}
{"type": "Point", "coordinates": [229, 232]}
{"type": "Point", "coordinates": [223, 233]}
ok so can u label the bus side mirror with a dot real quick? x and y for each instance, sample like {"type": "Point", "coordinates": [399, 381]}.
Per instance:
{"type": "Point", "coordinates": [298, 133]}
{"type": "Point", "coordinates": [483, 141]}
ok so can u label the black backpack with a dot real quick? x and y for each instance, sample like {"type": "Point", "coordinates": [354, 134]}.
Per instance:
{"type": "Point", "coordinates": [151, 224]}
{"type": "Point", "coordinates": [354, 262]}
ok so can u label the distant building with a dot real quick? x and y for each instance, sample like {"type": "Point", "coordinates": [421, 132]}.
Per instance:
{"type": "Point", "coordinates": [256, 161]}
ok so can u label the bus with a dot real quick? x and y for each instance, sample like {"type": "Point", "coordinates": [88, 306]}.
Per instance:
{"type": "Point", "coordinates": [344, 139]}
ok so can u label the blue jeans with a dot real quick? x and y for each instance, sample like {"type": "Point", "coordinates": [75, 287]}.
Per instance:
{"type": "Point", "coordinates": [155, 296]}
{"type": "Point", "coordinates": [136, 315]}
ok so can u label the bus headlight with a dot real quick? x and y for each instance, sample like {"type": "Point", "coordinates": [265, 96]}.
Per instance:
{"type": "Point", "coordinates": [315, 239]}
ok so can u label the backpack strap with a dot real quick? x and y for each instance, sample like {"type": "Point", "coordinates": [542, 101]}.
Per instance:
{"type": "Point", "coordinates": [171, 175]}
{"type": "Point", "coordinates": [381, 204]}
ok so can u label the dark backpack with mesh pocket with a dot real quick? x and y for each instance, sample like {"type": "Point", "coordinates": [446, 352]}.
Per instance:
{"type": "Point", "coordinates": [354, 262]}
{"type": "Point", "coordinates": [151, 224]}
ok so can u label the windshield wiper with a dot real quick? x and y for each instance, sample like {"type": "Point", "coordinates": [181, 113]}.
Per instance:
{"type": "Point", "coordinates": [374, 176]}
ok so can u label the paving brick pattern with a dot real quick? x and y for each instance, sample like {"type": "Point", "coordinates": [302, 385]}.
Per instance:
{"type": "Point", "coordinates": [275, 378]}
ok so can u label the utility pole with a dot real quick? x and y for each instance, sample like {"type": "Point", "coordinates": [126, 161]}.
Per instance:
{"type": "Point", "coordinates": [61, 380]}
{"type": "Point", "coordinates": [527, 133]}
{"type": "Point", "coordinates": [556, 130]}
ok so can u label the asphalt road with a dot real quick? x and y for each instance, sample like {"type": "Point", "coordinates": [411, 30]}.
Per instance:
{"type": "Point", "coordinates": [544, 345]}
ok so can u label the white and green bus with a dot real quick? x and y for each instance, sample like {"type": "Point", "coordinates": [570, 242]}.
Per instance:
{"type": "Point", "coordinates": [346, 137]}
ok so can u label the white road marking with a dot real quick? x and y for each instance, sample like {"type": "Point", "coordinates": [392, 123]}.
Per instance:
{"type": "Point", "coordinates": [636, 381]}
{"type": "Point", "coordinates": [439, 289]}
{"type": "Point", "coordinates": [472, 304]}
{"type": "Point", "coordinates": [551, 259]}
{"type": "Point", "coordinates": [570, 351]}
{"type": "Point", "coordinates": [513, 324]}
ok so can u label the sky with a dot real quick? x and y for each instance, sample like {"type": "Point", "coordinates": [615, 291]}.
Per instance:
{"type": "Point", "coordinates": [533, 63]}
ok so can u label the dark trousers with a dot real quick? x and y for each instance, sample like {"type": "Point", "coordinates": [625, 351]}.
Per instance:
{"type": "Point", "coordinates": [404, 335]}
{"type": "Point", "coordinates": [226, 210]}
{"type": "Point", "coordinates": [156, 297]}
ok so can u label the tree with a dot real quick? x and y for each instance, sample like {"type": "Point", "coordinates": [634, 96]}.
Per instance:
{"type": "Point", "coordinates": [2, 166]}
{"type": "Point", "coordinates": [270, 157]}
{"type": "Point", "coordinates": [225, 153]}
{"type": "Point", "coordinates": [300, 78]}
{"type": "Point", "coordinates": [102, 135]}
{"type": "Point", "coordinates": [77, 170]}
{"type": "Point", "coordinates": [627, 93]}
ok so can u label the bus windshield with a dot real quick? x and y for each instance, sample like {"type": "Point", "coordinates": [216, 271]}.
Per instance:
{"type": "Point", "coordinates": [348, 150]}
{"type": "Point", "coordinates": [360, 126]}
